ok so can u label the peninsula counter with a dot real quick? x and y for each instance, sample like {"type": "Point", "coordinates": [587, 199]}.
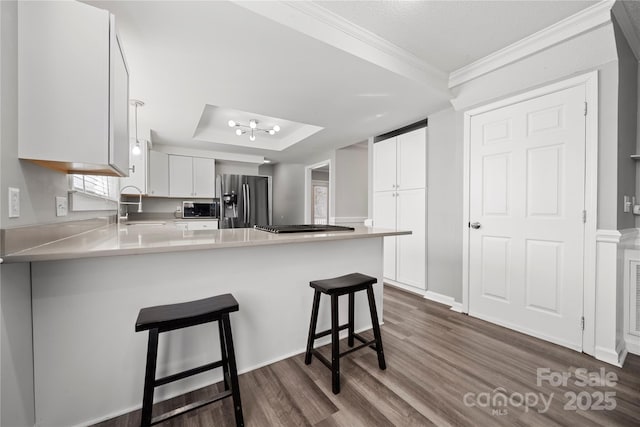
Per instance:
{"type": "Point", "coordinates": [87, 291]}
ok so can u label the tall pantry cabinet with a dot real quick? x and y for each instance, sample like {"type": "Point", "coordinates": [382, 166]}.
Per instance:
{"type": "Point", "coordinates": [399, 203]}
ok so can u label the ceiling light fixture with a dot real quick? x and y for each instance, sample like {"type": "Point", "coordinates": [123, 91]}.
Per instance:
{"type": "Point", "coordinates": [136, 150]}
{"type": "Point", "coordinates": [252, 128]}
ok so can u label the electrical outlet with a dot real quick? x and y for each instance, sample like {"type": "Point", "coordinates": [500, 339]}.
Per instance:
{"type": "Point", "coordinates": [627, 204]}
{"type": "Point", "coordinates": [61, 206]}
{"type": "Point", "coordinates": [14, 202]}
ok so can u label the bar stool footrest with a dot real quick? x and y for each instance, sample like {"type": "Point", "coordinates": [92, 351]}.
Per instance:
{"type": "Point", "coordinates": [188, 373]}
{"type": "Point", "coordinates": [321, 358]}
{"type": "Point", "coordinates": [351, 350]}
{"type": "Point", "coordinates": [190, 407]}
{"type": "Point", "coordinates": [362, 340]}
{"type": "Point", "coordinates": [328, 331]}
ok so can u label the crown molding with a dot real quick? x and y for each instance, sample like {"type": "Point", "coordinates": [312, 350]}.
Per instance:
{"type": "Point", "coordinates": [322, 24]}
{"type": "Point", "coordinates": [585, 20]}
{"type": "Point", "coordinates": [621, 13]}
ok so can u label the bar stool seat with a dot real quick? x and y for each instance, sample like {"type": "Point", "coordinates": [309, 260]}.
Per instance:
{"type": "Point", "coordinates": [165, 318]}
{"type": "Point", "coordinates": [335, 287]}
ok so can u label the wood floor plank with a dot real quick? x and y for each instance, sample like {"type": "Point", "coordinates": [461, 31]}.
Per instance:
{"type": "Point", "coordinates": [435, 357]}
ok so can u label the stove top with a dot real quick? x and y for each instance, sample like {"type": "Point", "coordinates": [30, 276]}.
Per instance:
{"type": "Point", "coordinates": [301, 228]}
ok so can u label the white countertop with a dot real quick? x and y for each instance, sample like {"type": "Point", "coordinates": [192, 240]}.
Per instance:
{"type": "Point", "coordinates": [158, 237]}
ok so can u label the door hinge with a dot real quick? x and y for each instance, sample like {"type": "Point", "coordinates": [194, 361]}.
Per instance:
{"type": "Point", "coordinates": [584, 216]}
{"type": "Point", "coordinates": [585, 108]}
{"type": "Point", "coordinates": [582, 323]}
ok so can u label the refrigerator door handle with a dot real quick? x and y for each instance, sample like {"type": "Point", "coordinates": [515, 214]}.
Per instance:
{"type": "Point", "coordinates": [248, 210]}
{"type": "Point", "coordinates": [244, 202]}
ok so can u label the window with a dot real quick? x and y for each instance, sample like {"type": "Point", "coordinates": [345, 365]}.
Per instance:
{"type": "Point", "coordinates": [102, 186]}
{"type": "Point", "coordinates": [93, 192]}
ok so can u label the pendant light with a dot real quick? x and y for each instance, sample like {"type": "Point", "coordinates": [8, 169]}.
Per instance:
{"type": "Point", "coordinates": [136, 150]}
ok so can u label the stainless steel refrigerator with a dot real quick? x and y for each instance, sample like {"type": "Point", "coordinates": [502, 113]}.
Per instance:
{"type": "Point", "coordinates": [244, 200]}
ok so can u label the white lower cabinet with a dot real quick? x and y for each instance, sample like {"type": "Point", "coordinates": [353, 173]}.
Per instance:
{"type": "Point", "coordinates": [384, 214]}
{"type": "Point", "coordinates": [410, 250]}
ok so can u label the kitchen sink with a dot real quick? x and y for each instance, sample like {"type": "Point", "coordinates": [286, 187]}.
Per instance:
{"type": "Point", "coordinates": [145, 223]}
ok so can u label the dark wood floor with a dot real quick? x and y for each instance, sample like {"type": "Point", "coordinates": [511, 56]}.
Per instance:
{"type": "Point", "coordinates": [435, 357]}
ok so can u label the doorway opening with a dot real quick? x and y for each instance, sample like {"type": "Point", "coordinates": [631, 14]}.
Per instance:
{"type": "Point", "coordinates": [317, 193]}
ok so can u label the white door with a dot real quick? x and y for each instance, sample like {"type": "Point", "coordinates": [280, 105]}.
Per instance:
{"type": "Point", "coordinates": [384, 216]}
{"type": "Point", "coordinates": [180, 176]}
{"type": "Point", "coordinates": [410, 249]}
{"type": "Point", "coordinates": [203, 177]}
{"type": "Point", "coordinates": [320, 202]}
{"type": "Point", "coordinates": [384, 165]}
{"type": "Point", "coordinates": [527, 196]}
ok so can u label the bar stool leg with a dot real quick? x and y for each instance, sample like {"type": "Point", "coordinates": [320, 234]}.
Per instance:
{"type": "Point", "coordinates": [312, 327]}
{"type": "Point", "coordinates": [233, 370]}
{"type": "Point", "coordinates": [351, 318]}
{"type": "Point", "coordinates": [223, 353]}
{"type": "Point", "coordinates": [149, 378]}
{"type": "Point", "coordinates": [376, 327]}
{"type": "Point", "coordinates": [335, 346]}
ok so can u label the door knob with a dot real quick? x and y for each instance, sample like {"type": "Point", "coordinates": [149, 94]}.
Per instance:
{"type": "Point", "coordinates": [474, 225]}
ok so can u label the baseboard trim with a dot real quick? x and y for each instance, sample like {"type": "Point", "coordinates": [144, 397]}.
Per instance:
{"type": "Point", "coordinates": [444, 299]}
{"type": "Point", "coordinates": [408, 288]}
{"type": "Point", "coordinates": [632, 344]}
{"type": "Point", "coordinates": [613, 357]}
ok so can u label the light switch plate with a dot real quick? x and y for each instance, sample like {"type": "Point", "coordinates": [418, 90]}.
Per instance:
{"type": "Point", "coordinates": [61, 206]}
{"type": "Point", "coordinates": [14, 202]}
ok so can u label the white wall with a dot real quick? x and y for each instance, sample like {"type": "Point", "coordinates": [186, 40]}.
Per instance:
{"type": "Point", "coordinates": [237, 168]}
{"type": "Point", "coordinates": [444, 204]}
{"type": "Point", "coordinates": [320, 176]}
{"type": "Point", "coordinates": [351, 181]}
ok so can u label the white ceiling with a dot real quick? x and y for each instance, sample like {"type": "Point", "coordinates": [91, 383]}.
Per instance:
{"type": "Point", "coordinates": [185, 55]}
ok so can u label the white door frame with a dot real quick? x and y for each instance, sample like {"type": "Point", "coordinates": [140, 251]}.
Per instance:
{"type": "Point", "coordinates": [590, 82]}
{"type": "Point", "coordinates": [307, 188]}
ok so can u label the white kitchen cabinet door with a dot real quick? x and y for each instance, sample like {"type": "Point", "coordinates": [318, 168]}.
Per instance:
{"type": "Point", "coordinates": [119, 105]}
{"type": "Point", "coordinates": [384, 216]}
{"type": "Point", "coordinates": [384, 165]}
{"type": "Point", "coordinates": [412, 160]}
{"type": "Point", "coordinates": [410, 251]}
{"type": "Point", "coordinates": [138, 171]}
{"type": "Point", "coordinates": [180, 176]}
{"type": "Point", "coordinates": [73, 89]}
{"type": "Point", "coordinates": [158, 173]}
{"type": "Point", "coordinates": [203, 177]}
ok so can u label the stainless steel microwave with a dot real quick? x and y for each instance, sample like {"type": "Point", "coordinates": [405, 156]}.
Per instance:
{"type": "Point", "coordinates": [192, 209]}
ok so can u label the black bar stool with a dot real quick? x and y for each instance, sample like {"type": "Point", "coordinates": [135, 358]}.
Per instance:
{"type": "Point", "coordinates": [165, 318]}
{"type": "Point", "coordinates": [349, 284]}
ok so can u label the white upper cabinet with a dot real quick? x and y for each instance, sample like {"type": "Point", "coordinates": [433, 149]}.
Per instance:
{"type": "Point", "coordinates": [400, 162]}
{"type": "Point", "coordinates": [73, 89]}
{"type": "Point", "coordinates": [412, 160]}
{"type": "Point", "coordinates": [191, 176]}
{"type": "Point", "coordinates": [384, 165]}
{"type": "Point", "coordinates": [203, 177]}
{"type": "Point", "coordinates": [158, 174]}
{"type": "Point", "coordinates": [180, 176]}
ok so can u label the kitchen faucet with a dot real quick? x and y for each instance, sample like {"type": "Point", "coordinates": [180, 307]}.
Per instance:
{"type": "Point", "coordinates": [139, 203]}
